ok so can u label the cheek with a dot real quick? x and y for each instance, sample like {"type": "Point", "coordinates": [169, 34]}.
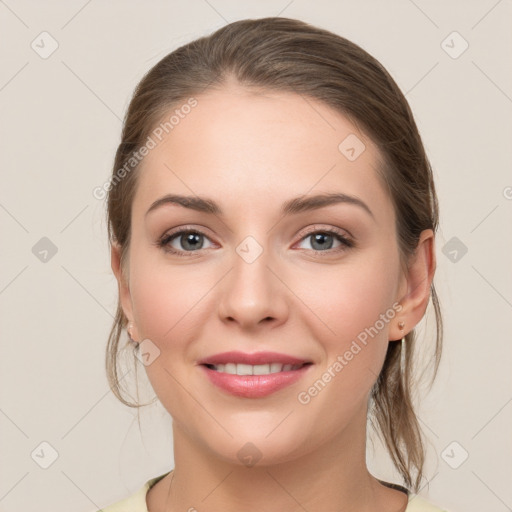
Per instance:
{"type": "Point", "coordinates": [348, 299]}
{"type": "Point", "coordinates": [170, 306]}
{"type": "Point", "coordinates": [353, 306]}
{"type": "Point", "coordinates": [166, 297]}
{"type": "Point", "coordinates": [167, 308]}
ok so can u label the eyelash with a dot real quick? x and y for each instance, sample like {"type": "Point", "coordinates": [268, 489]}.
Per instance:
{"type": "Point", "coordinates": [347, 243]}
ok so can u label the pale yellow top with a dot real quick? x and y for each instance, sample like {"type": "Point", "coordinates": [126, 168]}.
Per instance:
{"type": "Point", "coordinates": [137, 501]}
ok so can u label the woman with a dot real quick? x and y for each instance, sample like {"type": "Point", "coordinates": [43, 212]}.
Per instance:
{"type": "Point", "coordinates": [272, 218]}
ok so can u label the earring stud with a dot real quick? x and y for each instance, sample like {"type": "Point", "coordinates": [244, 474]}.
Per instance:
{"type": "Point", "coordinates": [401, 325]}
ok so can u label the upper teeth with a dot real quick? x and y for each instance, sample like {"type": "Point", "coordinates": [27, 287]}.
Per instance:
{"type": "Point", "coordinates": [257, 369]}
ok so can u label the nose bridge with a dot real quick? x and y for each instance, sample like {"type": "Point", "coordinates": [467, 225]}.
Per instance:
{"type": "Point", "coordinates": [252, 292]}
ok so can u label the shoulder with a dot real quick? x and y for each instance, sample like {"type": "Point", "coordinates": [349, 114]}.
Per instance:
{"type": "Point", "coordinates": [135, 502]}
{"type": "Point", "coordinates": [419, 504]}
{"type": "Point", "coordinates": [415, 502]}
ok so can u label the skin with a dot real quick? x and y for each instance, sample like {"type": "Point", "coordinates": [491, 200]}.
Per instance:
{"type": "Point", "coordinates": [250, 152]}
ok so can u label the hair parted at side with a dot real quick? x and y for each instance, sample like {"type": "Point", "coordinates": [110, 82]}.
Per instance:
{"type": "Point", "coordinates": [287, 55]}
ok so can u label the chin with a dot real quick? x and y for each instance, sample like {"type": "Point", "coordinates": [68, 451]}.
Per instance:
{"type": "Point", "coordinates": [250, 448]}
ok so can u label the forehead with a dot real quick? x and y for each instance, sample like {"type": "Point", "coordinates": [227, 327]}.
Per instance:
{"type": "Point", "coordinates": [258, 149]}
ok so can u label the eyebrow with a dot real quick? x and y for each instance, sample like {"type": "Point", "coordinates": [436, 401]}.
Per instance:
{"type": "Point", "coordinates": [293, 206]}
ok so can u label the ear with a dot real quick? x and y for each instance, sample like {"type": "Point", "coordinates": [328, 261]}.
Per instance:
{"type": "Point", "coordinates": [123, 285]}
{"type": "Point", "coordinates": [414, 292]}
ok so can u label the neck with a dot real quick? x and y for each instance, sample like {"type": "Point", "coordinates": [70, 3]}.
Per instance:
{"type": "Point", "coordinates": [334, 476]}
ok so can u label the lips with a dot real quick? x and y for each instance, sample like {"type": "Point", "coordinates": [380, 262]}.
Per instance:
{"type": "Point", "coordinates": [235, 372]}
{"type": "Point", "coordinates": [256, 358]}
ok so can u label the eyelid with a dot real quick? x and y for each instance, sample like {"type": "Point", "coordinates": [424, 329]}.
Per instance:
{"type": "Point", "coordinates": [318, 227]}
{"type": "Point", "coordinates": [185, 227]}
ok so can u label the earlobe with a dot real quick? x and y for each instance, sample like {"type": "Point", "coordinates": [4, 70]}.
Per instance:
{"type": "Point", "coordinates": [418, 281]}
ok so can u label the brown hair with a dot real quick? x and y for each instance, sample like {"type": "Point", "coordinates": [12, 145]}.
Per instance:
{"type": "Point", "coordinates": [282, 54]}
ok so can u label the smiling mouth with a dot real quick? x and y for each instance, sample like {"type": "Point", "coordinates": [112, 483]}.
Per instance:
{"type": "Point", "coordinates": [257, 369]}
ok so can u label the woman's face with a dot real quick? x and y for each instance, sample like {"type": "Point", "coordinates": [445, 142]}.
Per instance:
{"type": "Point", "coordinates": [255, 278]}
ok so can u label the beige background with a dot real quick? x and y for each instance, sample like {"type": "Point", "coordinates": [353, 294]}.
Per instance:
{"type": "Point", "coordinates": [61, 120]}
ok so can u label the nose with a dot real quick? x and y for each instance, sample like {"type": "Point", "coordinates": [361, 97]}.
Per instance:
{"type": "Point", "coordinates": [253, 294]}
